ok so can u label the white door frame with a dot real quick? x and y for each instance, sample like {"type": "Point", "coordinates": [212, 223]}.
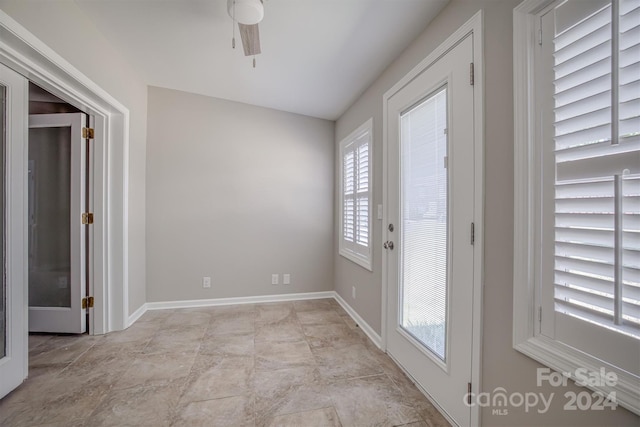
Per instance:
{"type": "Point", "coordinates": [474, 26]}
{"type": "Point", "coordinates": [14, 364]}
{"type": "Point", "coordinates": [24, 53]}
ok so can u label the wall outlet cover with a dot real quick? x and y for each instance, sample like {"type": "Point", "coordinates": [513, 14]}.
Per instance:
{"type": "Point", "coordinates": [206, 282]}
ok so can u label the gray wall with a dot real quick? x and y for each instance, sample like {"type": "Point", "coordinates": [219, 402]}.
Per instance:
{"type": "Point", "coordinates": [236, 192]}
{"type": "Point", "coordinates": [64, 28]}
{"type": "Point", "coordinates": [501, 365]}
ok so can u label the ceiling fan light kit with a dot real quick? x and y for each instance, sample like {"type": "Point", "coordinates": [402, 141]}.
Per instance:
{"type": "Point", "coordinates": [247, 13]}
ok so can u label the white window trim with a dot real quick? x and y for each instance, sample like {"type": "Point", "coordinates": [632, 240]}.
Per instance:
{"type": "Point", "coordinates": [366, 262]}
{"type": "Point", "coordinates": [545, 350]}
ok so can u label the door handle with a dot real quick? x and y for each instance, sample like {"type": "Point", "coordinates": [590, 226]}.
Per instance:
{"type": "Point", "coordinates": [388, 245]}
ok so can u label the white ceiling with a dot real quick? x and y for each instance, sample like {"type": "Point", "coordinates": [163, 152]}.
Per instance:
{"type": "Point", "coordinates": [317, 56]}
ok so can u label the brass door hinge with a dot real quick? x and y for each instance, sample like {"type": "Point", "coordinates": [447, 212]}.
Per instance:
{"type": "Point", "coordinates": [87, 133]}
{"type": "Point", "coordinates": [473, 233]}
{"type": "Point", "coordinates": [87, 302]}
{"type": "Point", "coordinates": [87, 218]}
{"type": "Point", "coordinates": [471, 74]}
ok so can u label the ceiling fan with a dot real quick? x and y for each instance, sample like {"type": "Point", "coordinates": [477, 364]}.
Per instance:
{"type": "Point", "coordinates": [247, 13]}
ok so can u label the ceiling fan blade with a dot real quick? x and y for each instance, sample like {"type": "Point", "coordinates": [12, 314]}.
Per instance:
{"type": "Point", "coordinates": [250, 39]}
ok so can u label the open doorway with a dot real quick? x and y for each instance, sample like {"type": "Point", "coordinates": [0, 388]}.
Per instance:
{"type": "Point", "coordinates": [58, 200]}
{"type": "Point", "coordinates": [24, 58]}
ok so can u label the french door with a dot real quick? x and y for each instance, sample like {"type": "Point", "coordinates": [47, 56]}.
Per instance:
{"type": "Point", "coordinates": [13, 286]}
{"type": "Point", "coordinates": [57, 236]}
{"type": "Point", "coordinates": [430, 208]}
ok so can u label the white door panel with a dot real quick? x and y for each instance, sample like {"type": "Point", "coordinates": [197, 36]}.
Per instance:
{"type": "Point", "coordinates": [57, 199]}
{"type": "Point", "coordinates": [430, 197]}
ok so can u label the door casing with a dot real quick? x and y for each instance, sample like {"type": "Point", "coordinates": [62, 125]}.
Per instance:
{"type": "Point", "coordinates": [24, 53]}
{"type": "Point", "coordinates": [474, 26]}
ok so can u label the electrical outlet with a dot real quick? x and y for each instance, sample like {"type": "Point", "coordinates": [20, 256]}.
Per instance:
{"type": "Point", "coordinates": [206, 282]}
{"type": "Point", "coordinates": [286, 279]}
{"type": "Point", "coordinates": [275, 279]}
{"type": "Point", "coordinates": [353, 292]}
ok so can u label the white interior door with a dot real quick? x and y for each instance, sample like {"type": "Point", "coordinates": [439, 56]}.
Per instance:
{"type": "Point", "coordinates": [430, 203]}
{"type": "Point", "coordinates": [13, 287]}
{"type": "Point", "coordinates": [57, 200]}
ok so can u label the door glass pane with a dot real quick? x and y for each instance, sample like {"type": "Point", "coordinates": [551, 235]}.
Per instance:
{"type": "Point", "coordinates": [3, 287]}
{"type": "Point", "coordinates": [49, 217]}
{"type": "Point", "coordinates": [423, 289]}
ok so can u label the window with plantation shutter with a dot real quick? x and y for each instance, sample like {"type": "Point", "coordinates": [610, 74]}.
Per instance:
{"type": "Point", "coordinates": [597, 157]}
{"type": "Point", "coordinates": [577, 244]}
{"type": "Point", "coordinates": [355, 196]}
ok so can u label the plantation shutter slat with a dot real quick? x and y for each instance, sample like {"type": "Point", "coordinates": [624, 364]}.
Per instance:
{"type": "Point", "coordinates": [585, 59]}
{"type": "Point", "coordinates": [595, 204]}
{"type": "Point", "coordinates": [577, 32]}
{"type": "Point", "coordinates": [579, 86]}
{"type": "Point", "coordinates": [581, 312]}
{"type": "Point", "coordinates": [588, 158]}
{"type": "Point", "coordinates": [586, 136]}
{"type": "Point", "coordinates": [584, 44]}
{"type": "Point", "coordinates": [598, 268]}
{"type": "Point", "coordinates": [584, 105]}
{"type": "Point", "coordinates": [593, 236]}
{"type": "Point", "coordinates": [603, 302]}
{"type": "Point", "coordinates": [592, 252]}
{"type": "Point", "coordinates": [583, 122]}
{"type": "Point", "coordinates": [584, 220]}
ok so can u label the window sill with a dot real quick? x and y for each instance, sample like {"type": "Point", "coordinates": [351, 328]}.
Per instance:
{"type": "Point", "coordinates": [362, 262]}
{"type": "Point", "coordinates": [564, 359]}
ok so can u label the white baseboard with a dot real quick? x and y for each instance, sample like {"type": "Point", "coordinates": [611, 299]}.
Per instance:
{"type": "Point", "coordinates": [137, 314]}
{"type": "Point", "coordinates": [366, 328]}
{"type": "Point", "coordinates": [237, 300]}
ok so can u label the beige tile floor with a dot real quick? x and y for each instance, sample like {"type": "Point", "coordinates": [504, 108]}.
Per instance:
{"type": "Point", "coordinates": [302, 363]}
